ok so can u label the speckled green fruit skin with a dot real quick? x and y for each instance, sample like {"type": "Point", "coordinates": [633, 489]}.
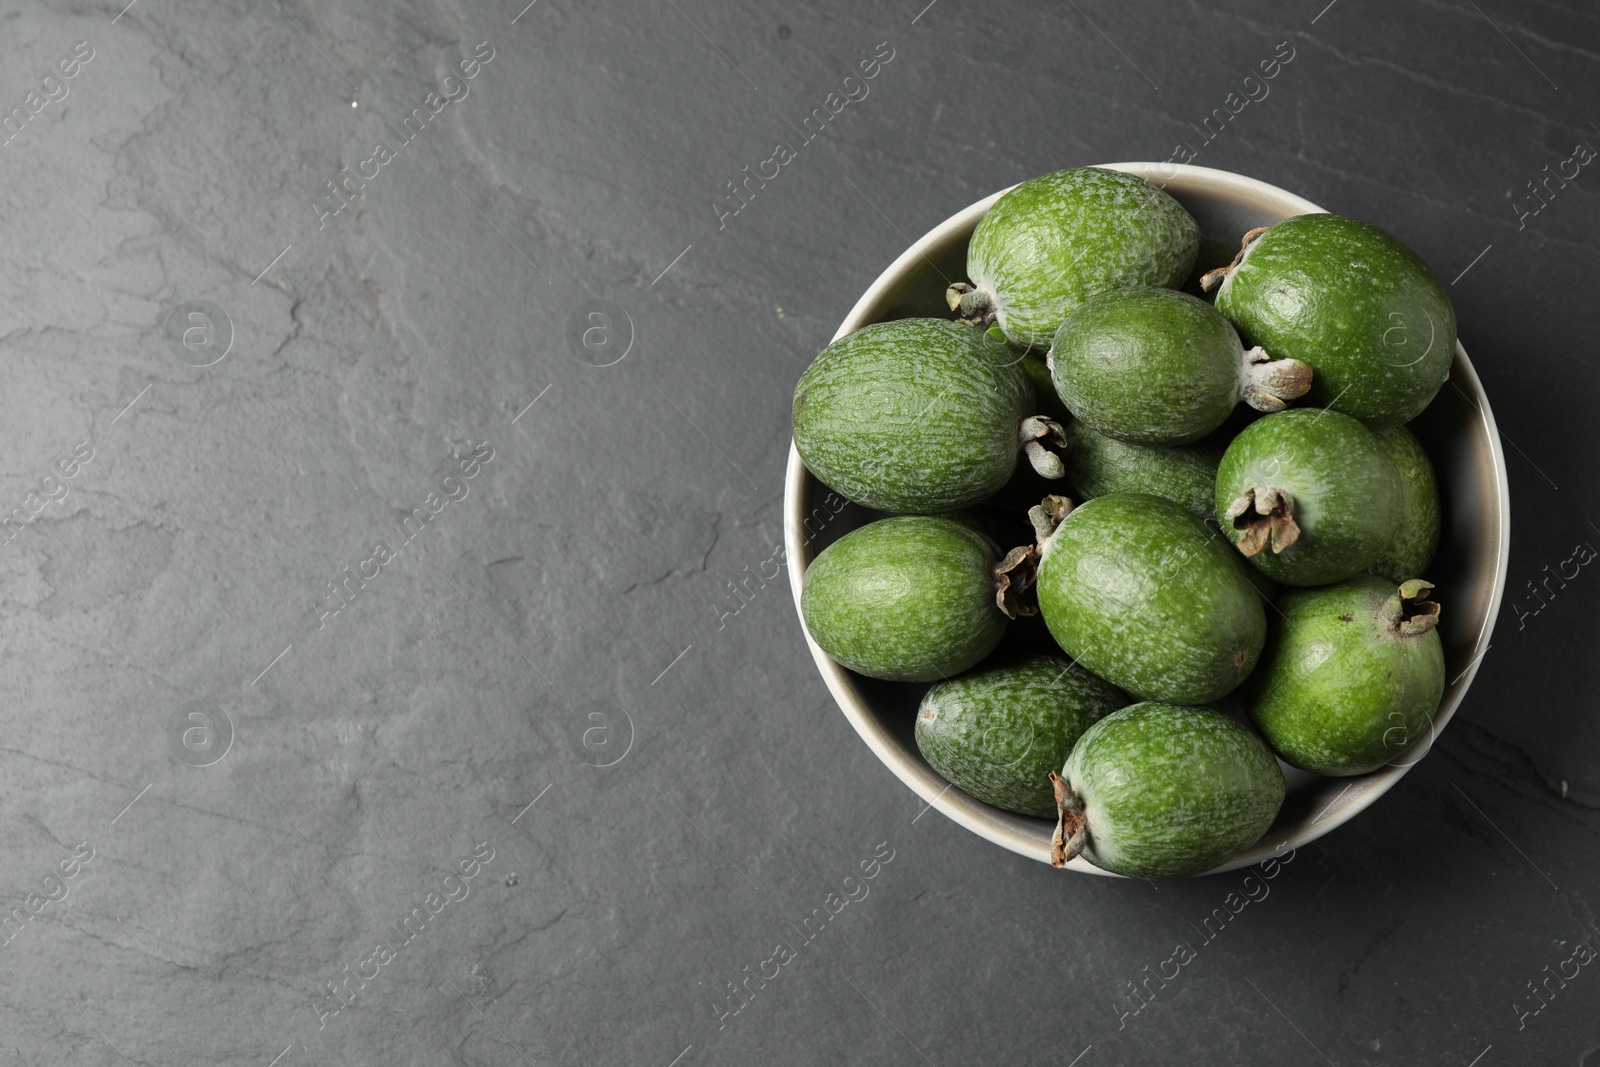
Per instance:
{"type": "Point", "coordinates": [1185, 474]}
{"type": "Point", "coordinates": [998, 733]}
{"type": "Point", "coordinates": [1411, 552]}
{"type": "Point", "coordinates": [1171, 791]}
{"type": "Point", "coordinates": [1345, 487]}
{"type": "Point", "coordinates": [1150, 598]}
{"type": "Point", "coordinates": [1364, 310]}
{"type": "Point", "coordinates": [1338, 691]}
{"type": "Point", "coordinates": [1150, 366]}
{"type": "Point", "coordinates": [915, 415]}
{"type": "Point", "coordinates": [907, 599]}
{"type": "Point", "coordinates": [1056, 240]}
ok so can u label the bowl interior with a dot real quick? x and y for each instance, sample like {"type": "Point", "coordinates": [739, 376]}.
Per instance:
{"type": "Point", "coordinates": [1457, 431]}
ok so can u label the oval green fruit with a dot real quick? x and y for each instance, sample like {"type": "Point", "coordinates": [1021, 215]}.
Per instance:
{"type": "Point", "coordinates": [1052, 242]}
{"type": "Point", "coordinates": [1160, 367]}
{"type": "Point", "coordinates": [1315, 488]}
{"type": "Point", "coordinates": [1410, 553]}
{"type": "Point", "coordinates": [908, 599]}
{"type": "Point", "coordinates": [917, 415]}
{"type": "Point", "coordinates": [1160, 791]}
{"type": "Point", "coordinates": [1185, 474]}
{"type": "Point", "coordinates": [1148, 597]}
{"type": "Point", "coordinates": [1351, 676]}
{"type": "Point", "coordinates": [1369, 316]}
{"type": "Point", "coordinates": [998, 733]}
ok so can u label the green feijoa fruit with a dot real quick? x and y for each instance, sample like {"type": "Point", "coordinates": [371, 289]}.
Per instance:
{"type": "Point", "coordinates": [918, 415]}
{"type": "Point", "coordinates": [1351, 677]}
{"type": "Point", "coordinates": [998, 733]}
{"type": "Point", "coordinates": [1161, 791]}
{"type": "Point", "coordinates": [908, 599]}
{"type": "Point", "coordinates": [1364, 310]}
{"type": "Point", "coordinates": [1147, 596]}
{"type": "Point", "coordinates": [1160, 367]}
{"type": "Point", "coordinates": [1185, 474]}
{"type": "Point", "coordinates": [1052, 242]}
{"type": "Point", "coordinates": [1316, 487]}
{"type": "Point", "coordinates": [1411, 551]}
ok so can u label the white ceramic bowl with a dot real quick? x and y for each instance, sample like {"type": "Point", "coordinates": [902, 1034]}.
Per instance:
{"type": "Point", "coordinates": [1458, 431]}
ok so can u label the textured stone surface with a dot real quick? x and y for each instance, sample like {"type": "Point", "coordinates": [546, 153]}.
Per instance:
{"type": "Point", "coordinates": [585, 573]}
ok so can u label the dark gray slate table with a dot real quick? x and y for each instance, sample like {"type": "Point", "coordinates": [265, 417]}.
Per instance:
{"type": "Point", "coordinates": [287, 282]}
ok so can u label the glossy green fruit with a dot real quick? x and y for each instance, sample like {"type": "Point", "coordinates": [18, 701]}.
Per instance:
{"type": "Point", "coordinates": [1159, 791]}
{"type": "Point", "coordinates": [1147, 596]}
{"type": "Point", "coordinates": [909, 599]}
{"type": "Point", "coordinates": [1160, 367]}
{"type": "Point", "coordinates": [998, 733]}
{"type": "Point", "coordinates": [1411, 551]}
{"type": "Point", "coordinates": [1185, 474]}
{"type": "Point", "coordinates": [1052, 242]}
{"type": "Point", "coordinates": [1308, 495]}
{"type": "Point", "coordinates": [917, 415]}
{"type": "Point", "coordinates": [1351, 676]}
{"type": "Point", "coordinates": [1367, 314]}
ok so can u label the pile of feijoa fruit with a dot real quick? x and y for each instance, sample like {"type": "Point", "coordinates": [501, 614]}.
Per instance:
{"type": "Point", "coordinates": [1230, 526]}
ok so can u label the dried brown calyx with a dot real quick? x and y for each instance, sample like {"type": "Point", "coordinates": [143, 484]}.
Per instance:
{"type": "Point", "coordinates": [1072, 828]}
{"type": "Point", "coordinates": [1409, 611]}
{"type": "Point", "coordinates": [1013, 576]}
{"type": "Point", "coordinates": [1046, 516]}
{"type": "Point", "coordinates": [1264, 515]}
{"type": "Point", "coordinates": [1269, 384]}
{"type": "Point", "coordinates": [1042, 441]}
{"type": "Point", "coordinates": [1213, 278]}
{"type": "Point", "coordinates": [970, 304]}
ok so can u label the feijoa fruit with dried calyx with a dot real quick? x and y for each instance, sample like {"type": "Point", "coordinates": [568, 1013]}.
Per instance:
{"type": "Point", "coordinates": [997, 733]}
{"type": "Point", "coordinates": [1369, 316]}
{"type": "Point", "coordinates": [1308, 495]}
{"type": "Point", "coordinates": [911, 599]}
{"type": "Point", "coordinates": [1351, 676]}
{"type": "Point", "coordinates": [1147, 596]}
{"type": "Point", "coordinates": [1161, 791]}
{"type": "Point", "coordinates": [1160, 367]}
{"type": "Point", "coordinates": [919, 416]}
{"type": "Point", "coordinates": [1054, 241]}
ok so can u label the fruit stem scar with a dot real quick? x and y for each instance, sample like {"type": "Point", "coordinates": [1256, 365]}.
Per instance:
{"type": "Point", "coordinates": [1012, 576]}
{"type": "Point", "coordinates": [971, 305]}
{"type": "Point", "coordinates": [1035, 433]}
{"type": "Point", "coordinates": [1072, 829]}
{"type": "Point", "coordinates": [1409, 611]}
{"type": "Point", "coordinates": [1046, 516]}
{"type": "Point", "coordinates": [1268, 384]}
{"type": "Point", "coordinates": [1262, 515]}
{"type": "Point", "coordinates": [1213, 278]}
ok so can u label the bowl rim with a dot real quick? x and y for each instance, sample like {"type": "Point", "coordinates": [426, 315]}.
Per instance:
{"type": "Point", "coordinates": [987, 822]}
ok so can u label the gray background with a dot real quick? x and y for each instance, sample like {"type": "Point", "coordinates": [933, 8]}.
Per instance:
{"type": "Point", "coordinates": [586, 572]}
